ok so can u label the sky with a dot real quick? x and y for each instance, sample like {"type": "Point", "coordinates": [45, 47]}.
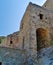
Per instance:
{"type": "Point", "coordinates": [11, 13]}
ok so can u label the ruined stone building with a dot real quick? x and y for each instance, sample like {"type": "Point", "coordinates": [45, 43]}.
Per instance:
{"type": "Point", "coordinates": [36, 32]}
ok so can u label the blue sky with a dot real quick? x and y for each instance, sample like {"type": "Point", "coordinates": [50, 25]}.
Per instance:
{"type": "Point", "coordinates": [11, 12]}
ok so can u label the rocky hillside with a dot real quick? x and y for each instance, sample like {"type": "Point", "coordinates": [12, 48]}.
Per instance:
{"type": "Point", "coordinates": [2, 37]}
{"type": "Point", "coordinates": [46, 56]}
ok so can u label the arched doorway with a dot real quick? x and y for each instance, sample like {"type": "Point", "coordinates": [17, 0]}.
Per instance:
{"type": "Point", "coordinates": [42, 38]}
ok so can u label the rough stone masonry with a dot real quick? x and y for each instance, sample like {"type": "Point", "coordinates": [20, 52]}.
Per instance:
{"type": "Point", "coordinates": [36, 33]}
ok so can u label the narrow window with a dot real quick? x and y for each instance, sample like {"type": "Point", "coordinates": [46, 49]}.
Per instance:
{"type": "Point", "coordinates": [11, 42]}
{"type": "Point", "coordinates": [23, 43]}
{"type": "Point", "coordinates": [41, 16]}
{"type": "Point", "coordinates": [11, 39]}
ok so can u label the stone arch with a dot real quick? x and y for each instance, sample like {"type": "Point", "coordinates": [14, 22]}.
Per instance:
{"type": "Point", "coordinates": [42, 38]}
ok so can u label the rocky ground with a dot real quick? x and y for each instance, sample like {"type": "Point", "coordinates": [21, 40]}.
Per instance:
{"type": "Point", "coordinates": [45, 57]}
{"type": "Point", "coordinates": [19, 57]}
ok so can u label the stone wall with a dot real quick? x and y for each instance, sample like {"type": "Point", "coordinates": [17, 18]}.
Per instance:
{"type": "Point", "coordinates": [11, 40]}
{"type": "Point", "coordinates": [40, 18]}
{"type": "Point", "coordinates": [35, 18]}
{"type": "Point", "coordinates": [10, 56]}
{"type": "Point", "coordinates": [48, 5]}
{"type": "Point", "coordinates": [36, 31]}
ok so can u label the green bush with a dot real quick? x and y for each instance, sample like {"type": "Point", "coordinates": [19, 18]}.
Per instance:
{"type": "Point", "coordinates": [0, 40]}
{"type": "Point", "coordinates": [51, 42]}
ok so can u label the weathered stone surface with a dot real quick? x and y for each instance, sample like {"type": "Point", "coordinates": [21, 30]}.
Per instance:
{"type": "Point", "coordinates": [36, 33]}
{"type": "Point", "coordinates": [35, 18]}
{"type": "Point", "coordinates": [10, 56]}
{"type": "Point", "coordinates": [46, 56]}
{"type": "Point", "coordinates": [48, 5]}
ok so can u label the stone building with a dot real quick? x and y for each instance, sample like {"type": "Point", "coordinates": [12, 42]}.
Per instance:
{"type": "Point", "coordinates": [11, 40]}
{"type": "Point", "coordinates": [36, 32]}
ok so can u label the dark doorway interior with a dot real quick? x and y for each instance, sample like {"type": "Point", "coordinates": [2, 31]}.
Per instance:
{"type": "Point", "coordinates": [41, 38]}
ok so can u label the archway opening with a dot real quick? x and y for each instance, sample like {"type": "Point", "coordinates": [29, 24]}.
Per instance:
{"type": "Point", "coordinates": [42, 38]}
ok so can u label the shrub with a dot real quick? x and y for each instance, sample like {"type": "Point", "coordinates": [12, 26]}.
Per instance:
{"type": "Point", "coordinates": [51, 42]}
{"type": "Point", "coordinates": [0, 40]}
